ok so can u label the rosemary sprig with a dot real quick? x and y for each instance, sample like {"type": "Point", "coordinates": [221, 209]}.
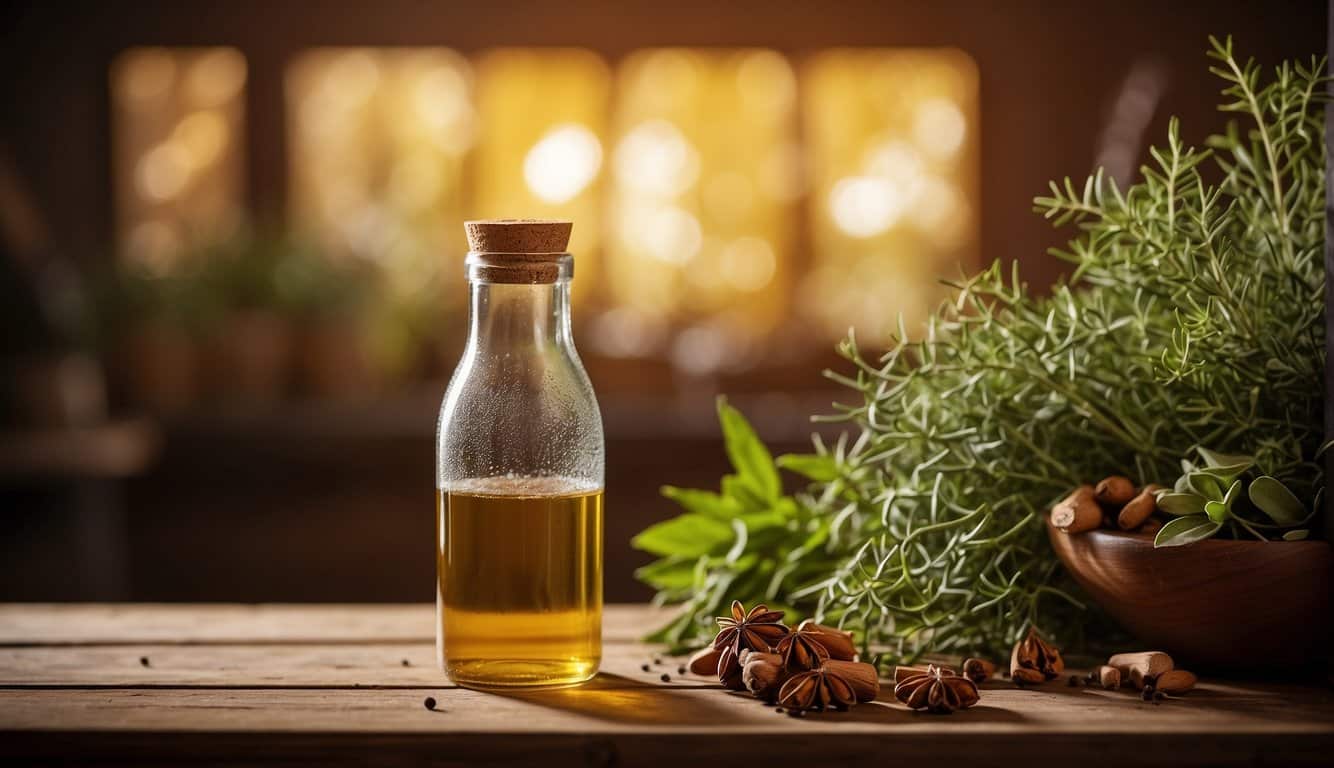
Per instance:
{"type": "Point", "coordinates": [1194, 317]}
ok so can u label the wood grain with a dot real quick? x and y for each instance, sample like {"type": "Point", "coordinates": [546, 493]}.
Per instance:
{"type": "Point", "coordinates": [244, 684]}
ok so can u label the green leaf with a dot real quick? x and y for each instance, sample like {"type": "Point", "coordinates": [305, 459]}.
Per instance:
{"type": "Point", "coordinates": [1275, 500]}
{"type": "Point", "coordinates": [1297, 534]}
{"type": "Point", "coordinates": [1231, 463]}
{"type": "Point", "coordinates": [752, 460]}
{"type": "Point", "coordinates": [1185, 530]}
{"type": "Point", "coordinates": [688, 535]}
{"type": "Point", "coordinates": [744, 493]}
{"type": "Point", "coordinates": [1181, 503]}
{"type": "Point", "coordinates": [1206, 485]}
{"type": "Point", "coordinates": [1217, 511]}
{"type": "Point", "coordinates": [703, 502]}
{"type": "Point", "coordinates": [670, 573]}
{"type": "Point", "coordinates": [812, 466]}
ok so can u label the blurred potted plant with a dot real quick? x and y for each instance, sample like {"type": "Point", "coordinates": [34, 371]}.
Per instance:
{"type": "Point", "coordinates": [329, 299]}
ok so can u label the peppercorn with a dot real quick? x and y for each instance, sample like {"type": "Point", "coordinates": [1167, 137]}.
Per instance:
{"type": "Point", "coordinates": [407, 663]}
{"type": "Point", "coordinates": [143, 661]}
{"type": "Point", "coordinates": [430, 703]}
{"type": "Point", "coordinates": [666, 678]}
{"type": "Point", "coordinates": [644, 667]}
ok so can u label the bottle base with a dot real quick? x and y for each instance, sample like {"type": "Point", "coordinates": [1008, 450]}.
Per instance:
{"type": "Point", "coordinates": [521, 673]}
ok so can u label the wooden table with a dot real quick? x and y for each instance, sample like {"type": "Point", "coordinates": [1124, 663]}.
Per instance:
{"type": "Point", "coordinates": [333, 685]}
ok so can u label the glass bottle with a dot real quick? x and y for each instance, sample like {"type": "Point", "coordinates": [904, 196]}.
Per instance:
{"type": "Point", "coordinates": [519, 474]}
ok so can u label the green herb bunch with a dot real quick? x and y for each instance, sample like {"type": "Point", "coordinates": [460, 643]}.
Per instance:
{"type": "Point", "coordinates": [1194, 316]}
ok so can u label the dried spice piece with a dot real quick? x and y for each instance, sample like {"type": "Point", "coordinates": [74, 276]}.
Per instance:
{"type": "Point", "coordinates": [864, 678]}
{"type": "Point", "coordinates": [758, 630]}
{"type": "Point", "coordinates": [1078, 512]}
{"type": "Point", "coordinates": [1114, 491]}
{"type": "Point", "coordinates": [1137, 510]}
{"type": "Point", "coordinates": [903, 673]}
{"type": "Point", "coordinates": [1109, 677]}
{"type": "Point", "coordinates": [1034, 660]}
{"type": "Point", "coordinates": [729, 670]}
{"type": "Point", "coordinates": [763, 674]}
{"type": "Point", "coordinates": [817, 689]}
{"type": "Point", "coordinates": [802, 649]}
{"type": "Point", "coordinates": [978, 670]}
{"type": "Point", "coordinates": [837, 641]}
{"type": "Point", "coordinates": [1137, 668]}
{"type": "Point", "coordinates": [429, 702]}
{"type": "Point", "coordinates": [938, 691]}
{"type": "Point", "coordinates": [704, 662]}
{"type": "Point", "coordinates": [1175, 682]}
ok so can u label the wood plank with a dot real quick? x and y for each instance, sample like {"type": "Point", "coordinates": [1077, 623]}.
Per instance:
{"type": "Point", "coordinates": [112, 623]}
{"type": "Point", "coordinates": [612, 704]}
{"type": "Point", "coordinates": [614, 722]}
{"type": "Point", "coordinates": [296, 665]}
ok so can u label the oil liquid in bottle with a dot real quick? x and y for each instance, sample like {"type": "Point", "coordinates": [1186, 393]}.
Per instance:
{"type": "Point", "coordinates": [519, 580]}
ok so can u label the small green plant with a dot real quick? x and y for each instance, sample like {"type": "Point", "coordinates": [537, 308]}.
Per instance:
{"type": "Point", "coordinates": [1216, 497]}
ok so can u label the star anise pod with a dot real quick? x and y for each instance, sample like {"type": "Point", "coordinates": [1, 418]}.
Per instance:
{"type": "Point", "coordinates": [756, 630]}
{"type": "Point", "coordinates": [937, 690]}
{"type": "Point", "coordinates": [810, 645]}
{"type": "Point", "coordinates": [817, 689]}
{"type": "Point", "coordinates": [802, 649]}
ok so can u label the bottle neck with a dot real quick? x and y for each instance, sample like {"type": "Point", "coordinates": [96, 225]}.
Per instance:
{"type": "Point", "coordinates": [511, 317]}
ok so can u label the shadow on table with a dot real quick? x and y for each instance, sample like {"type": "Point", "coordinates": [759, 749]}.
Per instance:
{"type": "Point", "coordinates": [619, 699]}
{"type": "Point", "coordinates": [623, 700]}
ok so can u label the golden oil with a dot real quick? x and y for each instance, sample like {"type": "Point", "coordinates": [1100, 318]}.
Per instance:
{"type": "Point", "coordinates": [519, 581]}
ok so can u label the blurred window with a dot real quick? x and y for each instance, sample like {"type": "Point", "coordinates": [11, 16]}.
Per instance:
{"type": "Point", "coordinates": [377, 143]}
{"type": "Point", "coordinates": [891, 145]}
{"type": "Point", "coordinates": [703, 208]}
{"type": "Point", "coordinates": [724, 198]}
{"type": "Point", "coordinates": [178, 150]}
{"type": "Point", "coordinates": [542, 122]}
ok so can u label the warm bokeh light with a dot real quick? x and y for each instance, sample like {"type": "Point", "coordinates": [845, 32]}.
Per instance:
{"type": "Point", "coordinates": [707, 223]}
{"type": "Point", "coordinates": [891, 142]}
{"type": "Point", "coordinates": [704, 183]}
{"type": "Point", "coordinates": [377, 144]}
{"type": "Point", "coordinates": [177, 122]}
{"type": "Point", "coordinates": [542, 119]}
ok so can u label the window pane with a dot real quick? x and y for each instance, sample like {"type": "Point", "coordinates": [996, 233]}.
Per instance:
{"type": "Point", "coordinates": [704, 184]}
{"type": "Point", "coordinates": [178, 154]}
{"type": "Point", "coordinates": [540, 151]}
{"type": "Point", "coordinates": [892, 147]}
{"type": "Point", "coordinates": [377, 144]}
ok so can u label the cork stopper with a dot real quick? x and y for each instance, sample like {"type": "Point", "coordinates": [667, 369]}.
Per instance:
{"type": "Point", "coordinates": [518, 250]}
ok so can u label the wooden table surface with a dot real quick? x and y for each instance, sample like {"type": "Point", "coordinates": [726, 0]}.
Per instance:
{"type": "Point", "coordinates": [328, 685]}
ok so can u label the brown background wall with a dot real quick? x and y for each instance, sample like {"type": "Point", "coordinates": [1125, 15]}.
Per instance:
{"type": "Point", "coordinates": [335, 504]}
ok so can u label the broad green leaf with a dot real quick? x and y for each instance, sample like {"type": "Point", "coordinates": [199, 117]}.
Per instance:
{"type": "Point", "coordinates": [1217, 511]}
{"type": "Point", "coordinates": [1206, 485]}
{"type": "Point", "coordinates": [688, 535]}
{"type": "Point", "coordinates": [1297, 534]}
{"type": "Point", "coordinates": [1235, 463]}
{"type": "Point", "coordinates": [703, 502]}
{"type": "Point", "coordinates": [821, 469]}
{"type": "Point", "coordinates": [1185, 530]}
{"type": "Point", "coordinates": [1181, 504]}
{"type": "Point", "coordinates": [744, 492]}
{"type": "Point", "coordinates": [1233, 493]}
{"type": "Point", "coordinates": [752, 460]}
{"type": "Point", "coordinates": [1275, 500]}
{"type": "Point", "coordinates": [668, 573]}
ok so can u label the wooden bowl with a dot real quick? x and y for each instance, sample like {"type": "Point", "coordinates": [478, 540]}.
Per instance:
{"type": "Point", "coordinates": [1216, 604]}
